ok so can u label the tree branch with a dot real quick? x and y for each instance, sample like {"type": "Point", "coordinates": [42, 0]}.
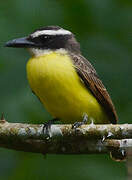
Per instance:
{"type": "Point", "coordinates": [62, 139]}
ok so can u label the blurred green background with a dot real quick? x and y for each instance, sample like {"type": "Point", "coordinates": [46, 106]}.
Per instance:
{"type": "Point", "coordinates": [104, 29]}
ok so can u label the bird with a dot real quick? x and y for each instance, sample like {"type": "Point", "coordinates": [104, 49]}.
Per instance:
{"type": "Point", "coordinates": [65, 82]}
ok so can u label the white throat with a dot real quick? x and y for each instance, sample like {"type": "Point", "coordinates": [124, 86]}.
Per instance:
{"type": "Point", "coordinates": [40, 52]}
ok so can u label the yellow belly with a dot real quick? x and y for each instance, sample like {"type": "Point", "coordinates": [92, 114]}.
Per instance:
{"type": "Point", "coordinates": [54, 80]}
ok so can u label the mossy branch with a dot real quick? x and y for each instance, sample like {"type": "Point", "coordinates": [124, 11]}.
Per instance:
{"type": "Point", "coordinates": [62, 139]}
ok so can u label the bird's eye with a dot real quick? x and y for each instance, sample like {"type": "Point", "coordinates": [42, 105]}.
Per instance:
{"type": "Point", "coordinates": [39, 39]}
{"type": "Point", "coordinates": [43, 37]}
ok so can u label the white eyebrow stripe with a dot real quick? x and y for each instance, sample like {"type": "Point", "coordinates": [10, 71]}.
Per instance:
{"type": "Point", "coordinates": [51, 32]}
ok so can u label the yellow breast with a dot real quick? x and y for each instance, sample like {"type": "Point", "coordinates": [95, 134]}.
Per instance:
{"type": "Point", "coordinates": [54, 80]}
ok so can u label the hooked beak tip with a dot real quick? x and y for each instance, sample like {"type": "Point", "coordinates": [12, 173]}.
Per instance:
{"type": "Point", "coordinates": [8, 44]}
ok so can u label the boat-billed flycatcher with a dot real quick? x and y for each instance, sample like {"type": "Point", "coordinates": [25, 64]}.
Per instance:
{"type": "Point", "coordinates": [65, 82]}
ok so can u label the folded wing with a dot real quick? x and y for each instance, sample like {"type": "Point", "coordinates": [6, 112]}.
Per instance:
{"type": "Point", "coordinates": [91, 80]}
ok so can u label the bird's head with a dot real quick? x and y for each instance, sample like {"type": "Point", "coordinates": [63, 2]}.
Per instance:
{"type": "Point", "coordinates": [50, 38]}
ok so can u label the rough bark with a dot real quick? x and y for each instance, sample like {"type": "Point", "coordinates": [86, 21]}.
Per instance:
{"type": "Point", "coordinates": [62, 139]}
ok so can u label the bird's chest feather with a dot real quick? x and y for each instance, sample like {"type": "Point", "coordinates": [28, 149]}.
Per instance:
{"type": "Point", "coordinates": [51, 75]}
{"type": "Point", "coordinates": [54, 80]}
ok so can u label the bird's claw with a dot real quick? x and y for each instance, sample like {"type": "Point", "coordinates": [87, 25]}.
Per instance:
{"type": "Point", "coordinates": [78, 124]}
{"type": "Point", "coordinates": [47, 126]}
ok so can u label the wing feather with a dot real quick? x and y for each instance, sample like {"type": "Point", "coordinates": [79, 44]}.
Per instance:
{"type": "Point", "coordinates": [88, 74]}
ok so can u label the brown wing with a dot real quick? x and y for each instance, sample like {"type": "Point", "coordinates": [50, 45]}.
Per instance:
{"type": "Point", "coordinates": [91, 80]}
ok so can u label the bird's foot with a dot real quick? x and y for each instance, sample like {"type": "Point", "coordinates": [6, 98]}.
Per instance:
{"type": "Point", "coordinates": [78, 124]}
{"type": "Point", "coordinates": [47, 126]}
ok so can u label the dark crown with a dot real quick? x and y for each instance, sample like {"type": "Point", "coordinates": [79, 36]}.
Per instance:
{"type": "Point", "coordinates": [54, 37]}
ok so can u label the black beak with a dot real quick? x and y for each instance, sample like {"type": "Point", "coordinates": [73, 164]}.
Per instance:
{"type": "Point", "coordinates": [20, 43]}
